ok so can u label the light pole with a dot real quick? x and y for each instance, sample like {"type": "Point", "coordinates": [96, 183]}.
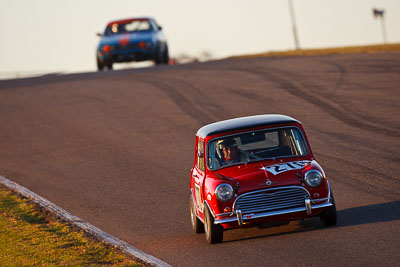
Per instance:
{"type": "Point", "coordinates": [379, 13]}
{"type": "Point", "coordinates": [292, 15]}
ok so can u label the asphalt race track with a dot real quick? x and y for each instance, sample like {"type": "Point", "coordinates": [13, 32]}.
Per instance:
{"type": "Point", "coordinates": [116, 148]}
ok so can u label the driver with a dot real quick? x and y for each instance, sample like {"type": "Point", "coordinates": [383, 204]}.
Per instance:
{"type": "Point", "coordinates": [230, 152]}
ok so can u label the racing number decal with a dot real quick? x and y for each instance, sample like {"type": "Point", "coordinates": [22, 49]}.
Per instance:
{"type": "Point", "coordinates": [198, 197]}
{"type": "Point", "coordinates": [283, 167]}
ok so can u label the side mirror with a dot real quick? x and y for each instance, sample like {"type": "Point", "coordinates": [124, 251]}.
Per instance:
{"type": "Point", "coordinates": [99, 34]}
{"type": "Point", "coordinates": [200, 154]}
{"type": "Point", "coordinates": [159, 28]}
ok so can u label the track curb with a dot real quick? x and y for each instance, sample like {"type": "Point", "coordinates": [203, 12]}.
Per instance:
{"type": "Point", "coordinates": [81, 224]}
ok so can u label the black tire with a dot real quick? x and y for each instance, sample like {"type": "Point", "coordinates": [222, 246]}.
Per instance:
{"type": "Point", "coordinates": [197, 225]}
{"type": "Point", "coordinates": [100, 66]}
{"type": "Point", "coordinates": [162, 56]}
{"type": "Point", "coordinates": [158, 57]}
{"type": "Point", "coordinates": [329, 216]}
{"type": "Point", "coordinates": [109, 66]}
{"type": "Point", "coordinates": [214, 232]}
{"type": "Point", "coordinates": [166, 56]}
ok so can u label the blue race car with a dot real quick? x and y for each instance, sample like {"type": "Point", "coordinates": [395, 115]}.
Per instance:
{"type": "Point", "coordinates": [135, 39]}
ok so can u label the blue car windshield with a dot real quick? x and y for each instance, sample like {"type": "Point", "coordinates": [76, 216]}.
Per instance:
{"type": "Point", "coordinates": [131, 26]}
{"type": "Point", "coordinates": [255, 146]}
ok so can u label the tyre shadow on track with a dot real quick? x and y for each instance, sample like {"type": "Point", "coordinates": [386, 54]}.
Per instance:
{"type": "Point", "coordinates": [384, 212]}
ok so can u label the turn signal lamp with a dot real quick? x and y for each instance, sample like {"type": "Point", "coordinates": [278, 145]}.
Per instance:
{"type": "Point", "coordinates": [315, 195]}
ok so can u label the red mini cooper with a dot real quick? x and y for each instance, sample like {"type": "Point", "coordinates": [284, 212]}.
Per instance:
{"type": "Point", "coordinates": [256, 170]}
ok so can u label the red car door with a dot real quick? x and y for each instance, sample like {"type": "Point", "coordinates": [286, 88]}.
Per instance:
{"type": "Point", "coordinates": [198, 175]}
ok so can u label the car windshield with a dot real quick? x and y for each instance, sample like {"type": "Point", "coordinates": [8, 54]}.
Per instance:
{"type": "Point", "coordinates": [255, 146]}
{"type": "Point", "coordinates": [131, 26]}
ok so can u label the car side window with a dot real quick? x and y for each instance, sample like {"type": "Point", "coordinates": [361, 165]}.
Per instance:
{"type": "Point", "coordinates": [154, 26]}
{"type": "Point", "coordinates": [200, 155]}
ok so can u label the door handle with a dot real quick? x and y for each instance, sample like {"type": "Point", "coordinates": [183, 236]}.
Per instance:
{"type": "Point", "coordinates": [195, 176]}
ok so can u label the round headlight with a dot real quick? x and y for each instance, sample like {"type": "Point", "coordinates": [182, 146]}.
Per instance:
{"type": "Point", "coordinates": [313, 178]}
{"type": "Point", "coordinates": [224, 192]}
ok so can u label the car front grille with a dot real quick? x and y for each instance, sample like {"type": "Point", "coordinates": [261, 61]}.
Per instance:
{"type": "Point", "coordinates": [271, 199]}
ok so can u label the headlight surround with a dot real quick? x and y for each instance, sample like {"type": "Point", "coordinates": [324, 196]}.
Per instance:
{"type": "Point", "coordinates": [224, 192]}
{"type": "Point", "coordinates": [313, 178]}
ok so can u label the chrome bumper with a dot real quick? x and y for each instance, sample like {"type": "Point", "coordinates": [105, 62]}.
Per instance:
{"type": "Point", "coordinates": [242, 218]}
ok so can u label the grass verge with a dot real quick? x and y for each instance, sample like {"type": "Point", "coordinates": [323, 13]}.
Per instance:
{"type": "Point", "coordinates": [328, 51]}
{"type": "Point", "coordinates": [28, 238]}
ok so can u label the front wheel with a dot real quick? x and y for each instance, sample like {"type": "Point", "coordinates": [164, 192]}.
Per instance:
{"type": "Point", "coordinates": [166, 55]}
{"type": "Point", "coordinates": [214, 232]}
{"type": "Point", "coordinates": [197, 225]}
{"type": "Point", "coordinates": [329, 216]}
{"type": "Point", "coordinates": [100, 66]}
{"type": "Point", "coordinates": [109, 66]}
{"type": "Point", "coordinates": [161, 56]}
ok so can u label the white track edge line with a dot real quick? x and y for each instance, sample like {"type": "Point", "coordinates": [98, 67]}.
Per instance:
{"type": "Point", "coordinates": [85, 226]}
